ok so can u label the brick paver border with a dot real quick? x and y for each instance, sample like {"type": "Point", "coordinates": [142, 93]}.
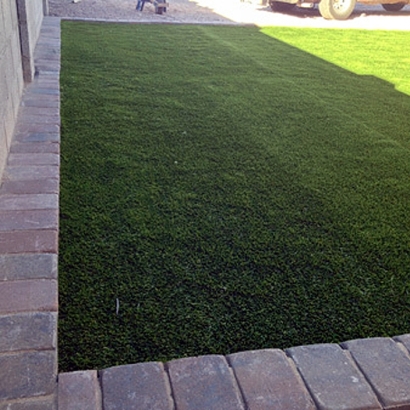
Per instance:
{"type": "Point", "coordinates": [29, 239]}
{"type": "Point", "coordinates": [365, 374]}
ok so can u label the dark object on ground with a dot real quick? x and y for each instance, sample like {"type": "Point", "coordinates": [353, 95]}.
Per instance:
{"type": "Point", "coordinates": [160, 5]}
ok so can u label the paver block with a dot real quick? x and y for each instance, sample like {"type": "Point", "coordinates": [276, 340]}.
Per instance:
{"type": "Point", "coordinates": [142, 386]}
{"type": "Point", "coordinates": [38, 89]}
{"type": "Point", "coordinates": [29, 374]}
{"type": "Point", "coordinates": [31, 266]}
{"type": "Point", "coordinates": [269, 380]}
{"type": "Point", "coordinates": [39, 186]}
{"type": "Point", "coordinates": [31, 172]}
{"type": "Point", "coordinates": [405, 340]}
{"type": "Point", "coordinates": [28, 202]}
{"type": "Point", "coordinates": [34, 148]}
{"type": "Point", "coordinates": [33, 127]}
{"type": "Point", "coordinates": [34, 158]}
{"type": "Point", "coordinates": [387, 368]}
{"type": "Point", "coordinates": [26, 220]}
{"type": "Point", "coordinates": [28, 331]}
{"type": "Point", "coordinates": [42, 119]}
{"type": "Point", "coordinates": [39, 111]}
{"type": "Point", "coordinates": [41, 241]}
{"type": "Point", "coordinates": [79, 391]}
{"type": "Point", "coordinates": [28, 296]}
{"type": "Point", "coordinates": [333, 379]}
{"type": "Point", "coordinates": [204, 383]}
{"type": "Point", "coordinates": [41, 136]}
{"type": "Point", "coordinates": [31, 404]}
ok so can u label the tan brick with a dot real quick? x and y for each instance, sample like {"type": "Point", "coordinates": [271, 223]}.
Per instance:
{"type": "Point", "coordinates": [142, 386]}
{"type": "Point", "coordinates": [332, 378]}
{"type": "Point", "coordinates": [79, 391]}
{"type": "Point", "coordinates": [204, 383]}
{"type": "Point", "coordinates": [386, 367]}
{"type": "Point", "coordinates": [269, 380]}
{"type": "Point", "coordinates": [28, 296]}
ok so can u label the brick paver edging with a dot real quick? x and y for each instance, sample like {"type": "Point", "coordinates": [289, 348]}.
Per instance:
{"type": "Point", "coordinates": [29, 203]}
{"type": "Point", "coordinates": [363, 374]}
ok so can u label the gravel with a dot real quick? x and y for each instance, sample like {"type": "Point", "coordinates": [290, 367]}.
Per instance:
{"type": "Point", "coordinates": [227, 12]}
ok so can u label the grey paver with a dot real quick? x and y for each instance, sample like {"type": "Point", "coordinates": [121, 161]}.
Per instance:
{"type": "Point", "coordinates": [28, 331]}
{"type": "Point", "coordinates": [204, 383]}
{"type": "Point", "coordinates": [405, 340]}
{"type": "Point", "coordinates": [29, 266]}
{"type": "Point", "coordinates": [41, 136]}
{"type": "Point", "coordinates": [269, 380]}
{"type": "Point", "coordinates": [26, 220]}
{"type": "Point", "coordinates": [31, 172]}
{"type": "Point", "coordinates": [27, 374]}
{"type": "Point", "coordinates": [40, 186]}
{"type": "Point", "coordinates": [28, 202]}
{"type": "Point", "coordinates": [33, 159]}
{"type": "Point", "coordinates": [386, 367]}
{"type": "Point", "coordinates": [34, 148]}
{"type": "Point", "coordinates": [79, 391]}
{"type": "Point", "coordinates": [142, 386]}
{"type": "Point", "coordinates": [33, 127]}
{"type": "Point", "coordinates": [332, 378]}
{"type": "Point", "coordinates": [44, 403]}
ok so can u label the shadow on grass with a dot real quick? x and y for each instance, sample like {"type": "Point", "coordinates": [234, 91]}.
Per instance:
{"type": "Point", "coordinates": [224, 191]}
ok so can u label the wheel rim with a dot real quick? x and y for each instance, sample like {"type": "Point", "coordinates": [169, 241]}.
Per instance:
{"type": "Point", "coordinates": [340, 5]}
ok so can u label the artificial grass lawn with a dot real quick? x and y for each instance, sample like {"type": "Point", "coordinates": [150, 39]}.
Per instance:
{"type": "Point", "coordinates": [222, 190]}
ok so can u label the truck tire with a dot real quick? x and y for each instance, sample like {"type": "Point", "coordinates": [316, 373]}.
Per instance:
{"type": "Point", "coordinates": [336, 9]}
{"type": "Point", "coordinates": [393, 7]}
{"type": "Point", "coordinates": [280, 6]}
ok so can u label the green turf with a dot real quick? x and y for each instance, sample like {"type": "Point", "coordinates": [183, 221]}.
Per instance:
{"type": "Point", "coordinates": [223, 190]}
